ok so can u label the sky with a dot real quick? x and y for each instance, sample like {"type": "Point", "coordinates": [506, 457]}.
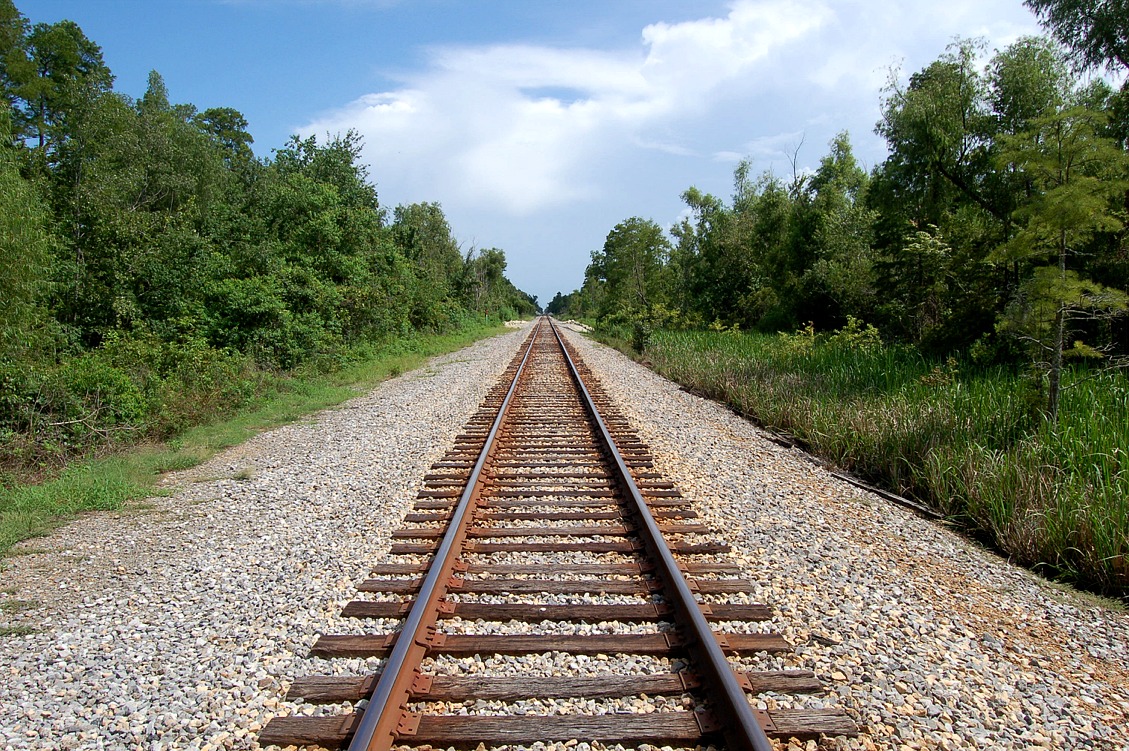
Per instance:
{"type": "Point", "coordinates": [538, 124]}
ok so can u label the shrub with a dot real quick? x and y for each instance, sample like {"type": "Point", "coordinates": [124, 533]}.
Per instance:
{"type": "Point", "coordinates": [95, 394]}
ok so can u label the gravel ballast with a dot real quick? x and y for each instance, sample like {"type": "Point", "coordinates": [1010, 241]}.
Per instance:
{"type": "Point", "coordinates": [180, 624]}
{"type": "Point", "coordinates": [928, 640]}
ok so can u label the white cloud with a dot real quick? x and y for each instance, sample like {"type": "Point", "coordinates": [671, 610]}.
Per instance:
{"type": "Point", "coordinates": [690, 60]}
{"type": "Point", "coordinates": [775, 145]}
{"type": "Point", "coordinates": [540, 149]}
{"type": "Point", "coordinates": [673, 149]}
{"type": "Point", "coordinates": [478, 127]}
{"type": "Point", "coordinates": [729, 157]}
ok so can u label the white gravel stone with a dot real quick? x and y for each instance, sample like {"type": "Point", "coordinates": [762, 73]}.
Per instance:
{"type": "Point", "coordinates": [180, 624]}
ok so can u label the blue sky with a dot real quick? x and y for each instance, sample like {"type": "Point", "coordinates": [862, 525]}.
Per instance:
{"type": "Point", "coordinates": [539, 125]}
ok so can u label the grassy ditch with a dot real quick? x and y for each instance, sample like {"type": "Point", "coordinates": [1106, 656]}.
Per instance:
{"type": "Point", "coordinates": [128, 473]}
{"type": "Point", "coordinates": [967, 440]}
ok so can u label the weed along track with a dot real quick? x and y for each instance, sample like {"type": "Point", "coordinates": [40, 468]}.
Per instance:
{"type": "Point", "coordinates": [563, 590]}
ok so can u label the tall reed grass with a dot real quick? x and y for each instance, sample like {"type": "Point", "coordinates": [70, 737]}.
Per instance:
{"type": "Point", "coordinates": [969, 441]}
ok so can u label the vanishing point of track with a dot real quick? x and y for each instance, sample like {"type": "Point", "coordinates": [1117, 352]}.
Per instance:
{"type": "Point", "coordinates": [548, 511]}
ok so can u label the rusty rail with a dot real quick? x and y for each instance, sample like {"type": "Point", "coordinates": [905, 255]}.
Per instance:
{"type": "Point", "coordinates": [382, 717]}
{"type": "Point", "coordinates": [739, 724]}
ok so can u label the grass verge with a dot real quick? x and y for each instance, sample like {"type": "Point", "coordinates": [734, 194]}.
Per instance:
{"type": "Point", "coordinates": [111, 482]}
{"type": "Point", "coordinates": [966, 440]}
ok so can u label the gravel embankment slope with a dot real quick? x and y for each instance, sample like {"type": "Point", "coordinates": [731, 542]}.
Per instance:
{"type": "Point", "coordinates": [179, 625]}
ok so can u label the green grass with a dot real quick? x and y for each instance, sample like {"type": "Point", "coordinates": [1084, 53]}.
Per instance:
{"type": "Point", "coordinates": [113, 482]}
{"type": "Point", "coordinates": [9, 631]}
{"type": "Point", "coordinates": [17, 606]}
{"type": "Point", "coordinates": [967, 440]}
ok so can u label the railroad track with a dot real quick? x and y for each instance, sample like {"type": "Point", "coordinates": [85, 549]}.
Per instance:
{"type": "Point", "coordinates": [546, 531]}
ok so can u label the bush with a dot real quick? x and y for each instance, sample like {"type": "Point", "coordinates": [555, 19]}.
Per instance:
{"type": "Point", "coordinates": [96, 394]}
{"type": "Point", "coordinates": [135, 386]}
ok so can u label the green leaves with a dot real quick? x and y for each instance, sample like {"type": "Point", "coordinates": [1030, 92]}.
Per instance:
{"type": "Point", "coordinates": [1051, 292]}
{"type": "Point", "coordinates": [1096, 31]}
{"type": "Point", "coordinates": [634, 256]}
{"type": "Point", "coordinates": [25, 245]}
{"type": "Point", "coordinates": [1076, 177]}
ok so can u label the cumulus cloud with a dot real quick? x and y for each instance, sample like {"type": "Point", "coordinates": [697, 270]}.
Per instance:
{"type": "Point", "coordinates": [541, 149]}
{"type": "Point", "coordinates": [519, 128]}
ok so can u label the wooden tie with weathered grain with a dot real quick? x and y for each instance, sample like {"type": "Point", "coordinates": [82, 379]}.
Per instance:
{"type": "Point", "coordinates": [547, 488]}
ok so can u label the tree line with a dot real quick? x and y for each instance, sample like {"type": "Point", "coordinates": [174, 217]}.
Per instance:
{"type": "Point", "coordinates": [995, 227]}
{"type": "Point", "coordinates": [149, 261]}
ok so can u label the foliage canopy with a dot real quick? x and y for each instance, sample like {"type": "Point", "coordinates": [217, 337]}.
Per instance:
{"type": "Point", "coordinates": [149, 262]}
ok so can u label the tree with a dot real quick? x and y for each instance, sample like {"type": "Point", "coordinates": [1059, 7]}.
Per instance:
{"type": "Point", "coordinates": [485, 272]}
{"type": "Point", "coordinates": [561, 305]}
{"type": "Point", "coordinates": [132, 185]}
{"type": "Point", "coordinates": [945, 193]}
{"type": "Point", "coordinates": [156, 97]}
{"type": "Point", "coordinates": [635, 252]}
{"type": "Point", "coordinates": [921, 279]}
{"type": "Point", "coordinates": [1097, 34]}
{"type": "Point", "coordinates": [704, 263]}
{"type": "Point", "coordinates": [25, 244]}
{"type": "Point", "coordinates": [66, 72]}
{"type": "Point", "coordinates": [1096, 31]}
{"type": "Point", "coordinates": [842, 235]}
{"type": "Point", "coordinates": [228, 128]}
{"type": "Point", "coordinates": [770, 256]}
{"type": "Point", "coordinates": [939, 131]}
{"type": "Point", "coordinates": [423, 235]}
{"type": "Point", "coordinates": [321, 206]}
{"type": "Point", "coordinates": [1028, 79]}
{"type": "Point", "coordinates": [737, 263]}
{"type": "Point", "coordinates": [1076, 175]}
{"type": "Point", "coordinates": [421, 230]}
{"type": "Point", "coordinates": [16, 68]}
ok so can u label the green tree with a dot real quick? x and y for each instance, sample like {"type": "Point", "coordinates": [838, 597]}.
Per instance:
{"type": "Point", "coordinates": [1077, 175]}
{"type": "Point", "coordinates": [634, 255]}
{"type": "Point", "coordinates": [561, 305]}
{"type": "Point", "coordinates": [16, 67]}
{"type": "Point", "coordinates": [132, 185]}
{"type": "Point", "coordinates": [485, 270]}
{"type": "Point", "coordinates": [422, 232]}
{"type": "Point", "coordinates": [944, 178]}
{"type": "Point", "coordinates": [842, 234]}
{"type": "Point", "coordinates": [319, 272]}
{"type": "Point", "coordinates": [66, 72]}
{"type": "Point", "coordinates": [706, 267]}
{"type": "Point", "coordinates": [589, 299]}
{"type": "Point", "coordinates": [445, 278]}
{"type": "Point", "coordinates": [736, 262]}
{"type": "Point", "coordinates": [938, 130]}
{"type": "Point", "coordinates": [1097, 34]}
{"type": "Point", "coordinates": [1096, 31]}
{"type": "Point", "coordinates": [770, 250]}
{"type": "Point", "coordinates": [228, 128]}
{"type": "Point", "coordinates": [923, 278]}
{"type": "Point", "coordinates": [1028, 79]}
{"type": "Point", "coordinates": [25, 244]}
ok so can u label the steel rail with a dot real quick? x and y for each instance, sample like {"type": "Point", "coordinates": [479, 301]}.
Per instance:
{"type": "Point", "coordinates": [378, 726]}
{"type": "Point", "coordinates": [739, 723]}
